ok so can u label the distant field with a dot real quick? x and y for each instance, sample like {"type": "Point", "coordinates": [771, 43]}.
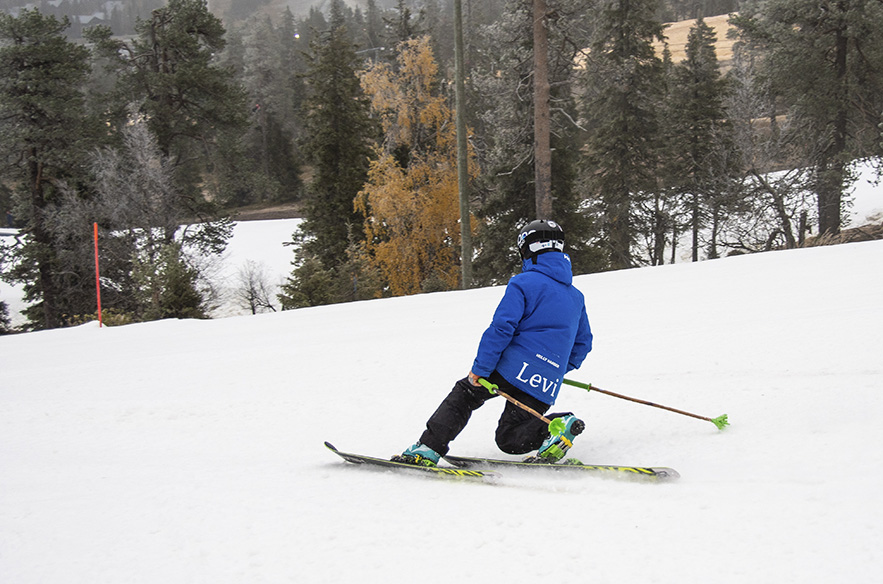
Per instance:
{"type": "Point", "coordinates": [676, 33]}
{"type": "Point", "coordinates": [676, 36]}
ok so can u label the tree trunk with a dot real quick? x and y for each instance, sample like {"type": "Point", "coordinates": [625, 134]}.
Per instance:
{"type": "Point", "coordinates": [829, 191]}
{"type": "Point", "coordinates": [542, 131]}
{"type": "Point", "coordinates": [831, 171]}
{"type": "Point", "coordinates": [660, 228]}
{"type": "Point", "coordinates": [43, 240]}
{"type": "Point", "coordinates": [619, 230]}
{"type": "Point", "coordinates": [694, 222]}
{"type": "Point", "coordinates": [466, 248]}
{"type": "Point", "coordinates": [715, 229]}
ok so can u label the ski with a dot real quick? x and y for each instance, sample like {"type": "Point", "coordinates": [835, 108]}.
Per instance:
{"type": "Point", "coordinates": [438, 471]}
{"type": "Point", "coordinates": [571, 465]}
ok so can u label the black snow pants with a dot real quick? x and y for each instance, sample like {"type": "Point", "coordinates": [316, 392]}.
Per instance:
{"type": "Point", "coordinates": [518, 431]}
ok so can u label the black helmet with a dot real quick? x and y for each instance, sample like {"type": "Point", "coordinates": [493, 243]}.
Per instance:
{"type": "Point", "coordinates": [539, 237]}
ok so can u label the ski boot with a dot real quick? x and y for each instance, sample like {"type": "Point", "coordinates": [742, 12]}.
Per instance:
{"type": "Point", "coordinates": [418, 454]}
{"type": "Point", "coordinates": [554, 447]}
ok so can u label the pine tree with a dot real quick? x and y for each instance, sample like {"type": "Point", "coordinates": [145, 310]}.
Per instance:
{"type": "Point", "coordinates": [268, 70]}
{"type": "Point", "coordinates": [169, 75]}
{"type": "Point", "coordinates": [337, 145]}
{"type": "Point", "coordinates": [500, 94]}
{"type": "Point", "coordinates": [699, 136]}
{"type": "Point", "coordinates": [5, 323]}
{"type": "Point", "coordinates": [45, 133]}
{"type": "Point", "coordinates": [339, 133]}
{"type": "Point", "coordinates": [374, 30]}
{"type": "Point", "coordinates": [167, 285]}
{"type": "Point", "coordinates": [824, 61]}
{"type": "Point", "coordinates": [622, 105]}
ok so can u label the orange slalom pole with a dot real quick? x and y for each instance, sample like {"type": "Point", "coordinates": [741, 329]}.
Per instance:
{"type": "Point", "coordinates": [97, 279]}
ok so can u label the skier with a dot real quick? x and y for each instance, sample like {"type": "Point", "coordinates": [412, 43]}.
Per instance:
{"type": "Point", "coordinates": [539, 332]}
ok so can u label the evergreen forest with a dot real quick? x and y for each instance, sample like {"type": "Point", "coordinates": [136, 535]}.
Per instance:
{"type": "Point", "coordinates": [144, 126]}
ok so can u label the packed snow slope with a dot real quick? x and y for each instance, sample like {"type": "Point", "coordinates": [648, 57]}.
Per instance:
{"type": "Point", "coordinates": [191, 451]}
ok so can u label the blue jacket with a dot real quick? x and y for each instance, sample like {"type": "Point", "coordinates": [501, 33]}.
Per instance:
{"type": "Point", "coordinates": [540, 330]}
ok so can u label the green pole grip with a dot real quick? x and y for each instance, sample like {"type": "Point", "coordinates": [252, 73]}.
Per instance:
{"type": "Point", "coordinates": [586, 386]}
{"type": "Point", "coordinates": [491, 387]}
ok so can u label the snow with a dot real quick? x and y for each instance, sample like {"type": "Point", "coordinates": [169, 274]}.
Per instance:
{"type": "Point", "coordinates": [192, 451]}
{"type": "Point", "coordinates": [263, 243]}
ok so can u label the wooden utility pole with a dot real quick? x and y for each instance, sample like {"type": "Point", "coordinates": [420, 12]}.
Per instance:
{"type": "Point", "coordinates": [462, 152]}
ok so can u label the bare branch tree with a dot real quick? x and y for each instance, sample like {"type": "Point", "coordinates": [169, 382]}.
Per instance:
{"type": "Point", "coordinates": [255, 291]}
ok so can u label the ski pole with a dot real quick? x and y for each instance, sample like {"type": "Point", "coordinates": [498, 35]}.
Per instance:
{"type": "Point", "coordinates": [720, 421]}
{"type": "Point", "coordinates": [556, 426]}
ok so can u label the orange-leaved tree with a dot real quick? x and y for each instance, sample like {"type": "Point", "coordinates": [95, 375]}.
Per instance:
{"type": "Point", "coordinates": [410, 201]}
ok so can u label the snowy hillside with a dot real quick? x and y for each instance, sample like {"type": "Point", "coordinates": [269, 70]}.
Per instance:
{"type": "Point", "coordinates": [191, 451]}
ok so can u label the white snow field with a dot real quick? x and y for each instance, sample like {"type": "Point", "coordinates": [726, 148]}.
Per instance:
{"type": "Point", "coordinates": [192, 451]}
